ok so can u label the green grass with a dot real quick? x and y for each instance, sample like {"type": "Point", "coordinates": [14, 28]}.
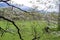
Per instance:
{"type": "Point", "coordinates": [26, 30]}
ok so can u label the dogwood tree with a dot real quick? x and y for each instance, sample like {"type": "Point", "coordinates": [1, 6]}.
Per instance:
{"type": "Point", "coordinates": [36, 4]}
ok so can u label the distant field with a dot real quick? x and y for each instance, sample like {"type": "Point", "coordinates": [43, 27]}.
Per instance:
{"type": "Point", "coordinates": [26, 29]}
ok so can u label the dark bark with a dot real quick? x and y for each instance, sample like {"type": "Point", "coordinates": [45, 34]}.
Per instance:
{"type": "Point", "coordinates": [14, 25]}
{"type": "Point", "coordinates": [16, 7]}
{"type": "Point", "coordinates": [4, 0]}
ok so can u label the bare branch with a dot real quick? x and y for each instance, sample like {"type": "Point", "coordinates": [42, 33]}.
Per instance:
{"type": "Point", "coordinates": [16, 7]}
{"type": "Point", "coordinates": [14, 25]}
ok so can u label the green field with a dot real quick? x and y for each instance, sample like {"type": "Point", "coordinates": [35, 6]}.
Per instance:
{"type": "Point", "coordinates": [26, 30]}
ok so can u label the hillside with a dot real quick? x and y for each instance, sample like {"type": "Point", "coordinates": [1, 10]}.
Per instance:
{"type": "Point", "coordinates": [16, 14]}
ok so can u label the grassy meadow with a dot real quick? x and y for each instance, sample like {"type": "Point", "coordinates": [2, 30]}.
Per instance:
{"type": "Point", "coordinates": [26, 30]}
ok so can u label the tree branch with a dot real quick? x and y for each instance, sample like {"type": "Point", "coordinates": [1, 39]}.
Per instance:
{"type": "Point", "coordinates": [16, 7]}
{"type": "Point", "coordinates": [14, 25]}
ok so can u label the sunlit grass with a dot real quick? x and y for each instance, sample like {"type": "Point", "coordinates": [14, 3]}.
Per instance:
{"type": "Point", "coordinates": [26, 30]}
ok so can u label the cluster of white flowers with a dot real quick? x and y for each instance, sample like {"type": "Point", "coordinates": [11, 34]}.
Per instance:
{"type": "Point", "coordinates": [48, 5]}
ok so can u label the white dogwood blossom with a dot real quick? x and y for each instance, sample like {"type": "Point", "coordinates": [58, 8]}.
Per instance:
{"type": "Point", "coordinates": [49, 5]}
